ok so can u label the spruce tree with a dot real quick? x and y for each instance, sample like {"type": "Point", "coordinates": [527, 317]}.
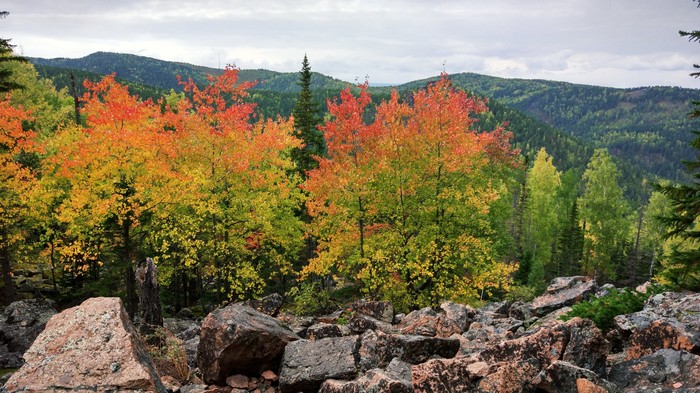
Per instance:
{"type": "Point", "coordinates": [306, 121]}
{"type": "Point", "coordinates": [683, 267]}
{"type": "Point", "coordinates": [7, 54]}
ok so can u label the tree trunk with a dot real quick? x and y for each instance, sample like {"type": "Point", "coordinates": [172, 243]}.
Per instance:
{"type": "Point", "coordinates": [7, 274]}
{"type": "Point", "coordinates": [149, 298]}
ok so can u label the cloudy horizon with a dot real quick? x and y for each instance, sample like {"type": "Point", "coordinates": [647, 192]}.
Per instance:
{"type": "Point", "coordinates": [619, 43]}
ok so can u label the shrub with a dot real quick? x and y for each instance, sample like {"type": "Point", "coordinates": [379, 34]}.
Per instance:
{"type": "Point", "coordinates": [602, 310]}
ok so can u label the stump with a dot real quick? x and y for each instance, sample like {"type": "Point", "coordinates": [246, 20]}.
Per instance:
{"type": "Point", "coordinates": [149, 298]}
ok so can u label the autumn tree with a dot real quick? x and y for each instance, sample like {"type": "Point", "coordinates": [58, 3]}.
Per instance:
{"type": "Point", "coordinates": [16, 180]}
{"type": "Point", "coordinates": [603, 211]}
{"type": "Point", "coordinates": [402, 205]}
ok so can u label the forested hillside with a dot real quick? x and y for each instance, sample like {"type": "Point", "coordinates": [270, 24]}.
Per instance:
{"type": "Point", "coordinates": [646, 129]}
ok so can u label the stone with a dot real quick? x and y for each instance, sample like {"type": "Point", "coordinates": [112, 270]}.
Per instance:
{"type": "Point", "coordinates": [374, 381]}
{"type": "Point", "coordinates": [93, 346]}
{"type": "Point", "coordinates": [512, 377]}
{"type": "Point", "coordinates": [323, 330]}
{"type": "Point", "coordinates": [20, 324]}
{"type": "Point", "coordinates": [661, 334]}
{"type": "Point", "coordinates": [270, 304]}
{"type": "Point", "coordinates": [561, 292]}
{"type": "Point", "coordinates": [563, 376]}
{"type": "Point", "coordinates": [269, 375]}
{"type": "Point", "coordinates": [426, 322]}
{"type": "Point", "coordinates": [460, 314]}
{"type": "Point", "coordinates": [237, 339]}
{"type": "Point", "coordinates": [184, 329]}
{"type": "Point", "coordinates": [662, 370]}
{"type": "Point", "coordinates": [362, 323]}
{"type": "Point", "coordinates": [238, 381]}
{"type": "Point", "coordinates": [379, 310]}
{"type": "Point", "coordinates": [444, 375]}
{"type": "Point", "coordinates": [306, 364]}
{"type": "Point", "coordinates": [377, 349]}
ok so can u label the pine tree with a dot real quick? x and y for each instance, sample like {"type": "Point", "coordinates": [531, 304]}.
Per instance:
{"type": "Point", "coordinates": [6, 54]}
{"type": "Point", "coordinates": [684, 265]}
{"type": "Point", "coordinates": [570, 245]}
{"type": "Point", "coordinates": [306, 121]}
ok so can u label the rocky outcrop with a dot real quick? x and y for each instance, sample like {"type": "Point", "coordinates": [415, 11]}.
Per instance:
{"type": "Point", "coordinates": [373, 381]}
{"type": "Point", "coordinates": [665, 370]}
{"type": "Point", "coordinates": [20, 324]}
{"type": "Point", "coordinates": [427, 322]}
{"type": "Point", "coordinates": [240, 340]}
{"type": "Point", "coordinates": [381, 311]}
{"type": "Point", "coordinates": [562, 292]}
{"type": "Point", "coordinates": [94, 347]}
{"type": "Point", "coordinates": [377, 349]}
{"type": "Point", "coordinates": [270, 304]}
{"type": "Point", "coordinates": [306, 364]}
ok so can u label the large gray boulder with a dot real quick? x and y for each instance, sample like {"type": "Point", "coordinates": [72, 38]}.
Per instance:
{"type": "Point", "coordinates": [562, 292]}
{"type": "Point", "coordinates": [91, 347]}
{"type": "Point", "coordinates": [240, 340]}
{"type": "Point", "coordinates": [306, 364]}
{"type": "Point", "coordinates": [20, 324]}
{"type": "Point", "coordinates": [666, 370]}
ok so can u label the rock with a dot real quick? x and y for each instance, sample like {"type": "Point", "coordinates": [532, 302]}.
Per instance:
{"type": "Point", "coordinates": [238, 381]}
{"type": "Point", "coordinates": [184, 329]}
{"type": "Point", "coordinates": [460, 314]}
{"type": "Point", "coordinates": [193, 388]}
{"type": "Point", "coordinates": [661, 334]}
{"type": "Point", "coordinates": [512, 377]}
{"type": "Point", "coordinates": [374, 381]}
{"type": "Point", "coordinates": [520, 310]}
{"type": "Point", "coordinates": [400, 369]}
{"type": "Point", "coordinates": [269, 375]}
{"type": "Point", "coordinates": [20, 324]}
{"type": "Point", "coordinates": [445, 375]}
{"type": "Point", "coordinates": [306, 364]}
{"type": "Point", "coordinates": [426, 322]}
{"type": "Point", "coordinates": [382, 311]}
{"type": "Point", "coordinates": [561, 292]}
{"type": "Point", "coordinates": [668, 320]}
{"type": "Point", "coordinates": [323, 330]}
{"type": "Point", "coordinates": [377, 349]}
{"type": "Point", "coordinates": [666, 370]}
{"type": "Point", "coordinates": [239, 340]}
{"type": "Point", "coordinates": [563, 376]}
{"type": "Point", "coordinates": [170, 383]}
{"type": "Point", "coordinates": [362, 323]}
{"type": "Point", "coordinates": [191, 349]}
{"type": "Point", "coordinates": [93, 346]}
{"type": "Point", "coordinates": [270, 304]}
{"type": "Point", "coordinates": [577, 341]}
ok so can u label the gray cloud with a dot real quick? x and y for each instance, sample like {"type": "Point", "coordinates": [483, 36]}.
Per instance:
{"type": "Point", "coordinates": [618, 43]}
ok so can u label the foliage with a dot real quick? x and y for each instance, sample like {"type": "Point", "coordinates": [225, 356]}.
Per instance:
{"type": "Point", "coordinates": [310, 299]}
{"type": "Point", "coordinates": [7, 56]}
{"type": "Point", "coordinates": [306, 121]}
{"type": "Point", "coordinates": [405, 200]}
{"type": "Point", "coordinates": [603, 210]}
{"type": "Point", "coordinates": [169, 355]}
{"type": "Point", "coordinates": [603, 310]}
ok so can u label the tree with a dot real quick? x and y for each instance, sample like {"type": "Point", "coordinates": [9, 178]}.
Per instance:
{"type": "Point", "coordinates": [306, 121]}
{"type": "Point", "coordinates": [16, 181]}
{"type": "Point", "coordinates": [7, 55]}
{"type": "Point", "coordinates": [403, 205]}
{"type": "Point", "coordinates": [603, 210]}
{"type": "Point", "coordinates": [541, 216]}
{"type": "Point", "coordinates": [683, 267]}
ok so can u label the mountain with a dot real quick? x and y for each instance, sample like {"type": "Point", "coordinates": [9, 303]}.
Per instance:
{"type": "Point", "coordinates": [646, 128]}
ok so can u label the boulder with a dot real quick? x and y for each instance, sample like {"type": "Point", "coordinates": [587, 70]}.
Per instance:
{"type": "Point", "coordinates": [306, 364]}
{"type": "Point", "coordinates": [577, 341]}
{"type": "Point", "coordinates": [665, 370]}
{"type": "Point", "coordinates": [460, 314]}
{"type": "Point", "coordinates": [563, 376]}
{"type": "Point", "coordinates": [324, 330]}
{"type": "Point", "coordinates": [661, 334]}
{"type": "Point", "coordinates": [20, 324]}
{"type": "Point", "coordinates": [448, 375]}
{"type": "Point", "coordinates": [237, 339]}
{"type": "Point", "coordinates": [562, 292]}
{"type": "Point", "coordinates": [270, 304]}
{"type": "Point", "coordinates": [426, 322]}
{"type": "Point", "coordinates": [382, 311]}
{"type": "Point", "coordinates": [512, 377]}
{"type": "Point", "coordinates": [377, 349]}
{"type": "Point", "coordinates": [94, 347]}
{"type": "Point", "coordinates": [374, 381]}
{"type": "Point", "coordinates": [362, 323]}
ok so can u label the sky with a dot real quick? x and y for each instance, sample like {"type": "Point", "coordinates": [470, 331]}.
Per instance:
{"type": "Point", "coordinates": [617, 43]}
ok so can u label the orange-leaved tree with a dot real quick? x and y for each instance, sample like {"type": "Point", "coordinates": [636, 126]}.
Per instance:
{"type": "Point", "coordinates": [240, 201]}
{"type": "Point", "coordinates": [402, 204]}
{"type": "Point", "coordinates": [119, 171]}
{"type": "Point", "coordinates": [16, 180]}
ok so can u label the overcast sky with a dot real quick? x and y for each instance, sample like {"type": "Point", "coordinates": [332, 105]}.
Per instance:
{"type": "Point", "coordinates": [620, 43]}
